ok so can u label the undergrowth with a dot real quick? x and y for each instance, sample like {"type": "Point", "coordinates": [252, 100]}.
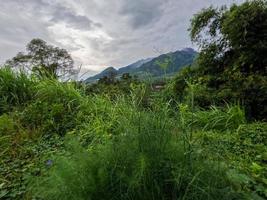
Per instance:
{"type": "Point", "coordinates": [59, 142]}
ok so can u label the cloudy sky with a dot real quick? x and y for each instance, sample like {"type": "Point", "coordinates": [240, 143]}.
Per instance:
{"type": "Point", "coordinates": [100, 33]}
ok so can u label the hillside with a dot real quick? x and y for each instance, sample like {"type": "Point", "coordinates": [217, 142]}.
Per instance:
{"type": "Point", "coordinates": [166, 63]}
{"type": "Point", "coordinates": [107, 72]}
{"type": "Point", "coordinates": [134, 66]}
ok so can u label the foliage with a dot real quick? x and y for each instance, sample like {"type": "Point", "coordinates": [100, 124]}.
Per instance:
{"type": "Point", "coordinates": [235, 37]}
{"type": "Point", "coordinates": [245, 151]}
{"type": "Point", "coordinates": [113, 87]}
{"type": "Point", "coordinates": [229, 118]}
{"type": "Point", "coordinates": [44, 60]}
{"type": "Point", "coordinates": [16, 89]}
{"type": "Point", "coordinates": [142, 159]}
{"type": "Point", "coordinates": [232, 62]}
{"type": "Point", "coordinates": [23, 161]}
{"type": "Point", "coordinates": [134, 146]}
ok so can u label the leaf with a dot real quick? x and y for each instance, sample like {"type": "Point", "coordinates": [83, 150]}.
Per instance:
{"type": "Point", "coordinates": [238, 178]}
{"type": "Point", "coordinates": [3, 193]}
{"type": "Point", "coordinates": [256, 168]}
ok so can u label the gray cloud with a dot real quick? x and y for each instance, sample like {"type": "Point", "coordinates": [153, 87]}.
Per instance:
{"type": "Point", "coordinates": [63, 14]}
{"type": "Point", "coordinates": [100, 33]}
{"type": "Point", "coordinates": [75, 21]}
{"type": "Point", "coordinates": [142, 12]}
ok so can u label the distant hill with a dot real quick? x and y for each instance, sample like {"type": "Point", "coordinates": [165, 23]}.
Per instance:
{"type": "Point", "coordinates": [132, 67]}
{"type": "Point", "coordinates": [107, 72]}
{"type": "Point", "coordinates": [169, 63]}
{"type": "Point", "coordinates": [112, 71]}
{"type": "Point", "coordinates": [163, 64]}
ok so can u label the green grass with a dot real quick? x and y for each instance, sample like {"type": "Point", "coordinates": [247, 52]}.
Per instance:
{"type": "Point", "coordinates": [59, 142]}
{"type": "Point", "coordinates": [142, 158]}
{"type": "Point", "coordinates": [16, 89]}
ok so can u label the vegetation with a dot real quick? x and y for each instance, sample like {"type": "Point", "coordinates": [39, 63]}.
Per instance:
{"type": "Point", "coordinates": [202, 136]}
{"type": "Point", "coordinates": [44, 60]}
{"type": "Point", "coordinates": [232, 63]}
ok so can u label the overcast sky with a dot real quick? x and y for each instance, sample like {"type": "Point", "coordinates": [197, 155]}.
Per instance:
{"type": "Point", "coordinates": [100, 33]}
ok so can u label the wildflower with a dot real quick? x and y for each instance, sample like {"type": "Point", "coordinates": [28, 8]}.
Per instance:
{"type": "Point", "coordinates": [49, 163]}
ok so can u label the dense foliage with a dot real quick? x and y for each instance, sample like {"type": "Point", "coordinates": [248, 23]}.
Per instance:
{"type": "Point", "coordinates": [232, 64]}
{"type": "Point", "coordinates": [90, 145]}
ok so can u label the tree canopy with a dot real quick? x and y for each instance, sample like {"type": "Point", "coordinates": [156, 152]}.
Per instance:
{"type": "Point", "coordinates": [235, 38]}
{"type": "Point", "coordinates": [232, 63]}
{"type": "Point", "coordinates": [44, 60]}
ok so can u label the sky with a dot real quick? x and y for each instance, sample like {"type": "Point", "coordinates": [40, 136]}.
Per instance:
{"type": "Point", "coordinates": [100, 33]}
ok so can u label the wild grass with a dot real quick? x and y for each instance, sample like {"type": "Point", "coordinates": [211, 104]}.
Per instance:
{"type": "Point", "coordinates": [215, 118]}
{"type": "Point", "coordinates": [142, 158]}
{"type": "Point", "coordinates": [132, 146]}
{"type": "Point", "coordinates": [15, 88]}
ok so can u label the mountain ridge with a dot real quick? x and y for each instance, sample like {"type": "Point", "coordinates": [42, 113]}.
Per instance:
{"type": "Point", "coordinates": [166, 63]}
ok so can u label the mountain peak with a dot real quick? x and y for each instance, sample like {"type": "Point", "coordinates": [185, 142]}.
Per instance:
{"type": "Point", "coordinates": [109, 69]}
{"type": "Point", "coordinates": [189, 50]}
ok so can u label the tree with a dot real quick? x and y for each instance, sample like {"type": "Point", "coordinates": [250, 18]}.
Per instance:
{"type": "Point", "coordinates": [44, 60]}
{"type": "Point", "coordinates": [233, 38]}
{"type": "Point", "coordinates": [126, 77]}
{"type": "Point", "coordinates": [232, 63]}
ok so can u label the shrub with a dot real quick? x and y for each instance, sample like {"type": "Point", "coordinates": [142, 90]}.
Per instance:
{"type": "Point", "coordinates": [245, 151]}
{"type": "Point", "coordinates": [256, 133]}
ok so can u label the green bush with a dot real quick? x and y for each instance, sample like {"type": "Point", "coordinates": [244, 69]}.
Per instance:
{"type": "Point", "coordinates": [256, 133]}
{"type": "Point", "coordinates": [232, 61]}
{"type": "Point", "coordinates": [53, 91]}
{"type": "Point", "coordinates": [252, 147]}
{"type": "Point", "coordinates": [245, 151]}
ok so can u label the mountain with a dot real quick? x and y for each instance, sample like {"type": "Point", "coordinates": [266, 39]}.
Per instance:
{"type": "Point", "coordinates": [107, 72]}
{"type": "Point", "coordinates": [112, 71]}
{"type": "Point", "coordinates": [164, 64]}
{"type": "Point", "coordinates": [134, 66]}
{"type": "Point", "coordinates": [169, 63]}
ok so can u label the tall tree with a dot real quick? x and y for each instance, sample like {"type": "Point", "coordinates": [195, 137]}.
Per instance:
{"type": "Point", "coordinates": [232, 38]}
{"type": "Point", "coordinates": [44, 60]}
{"type": "Point", "coordinates": [233, 54]}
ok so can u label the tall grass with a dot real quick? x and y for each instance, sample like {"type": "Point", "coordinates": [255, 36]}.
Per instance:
{"type": "Point", "coordinates": [15, 89]}
{"type": "Point", "coordinates": [54, 109]}
{"type": "Point", "coordinates": [127, 147]}
{"type": "Point", "coordinates": [142, 157]}
{"type": "Point", "coordinates": [215, 118]}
